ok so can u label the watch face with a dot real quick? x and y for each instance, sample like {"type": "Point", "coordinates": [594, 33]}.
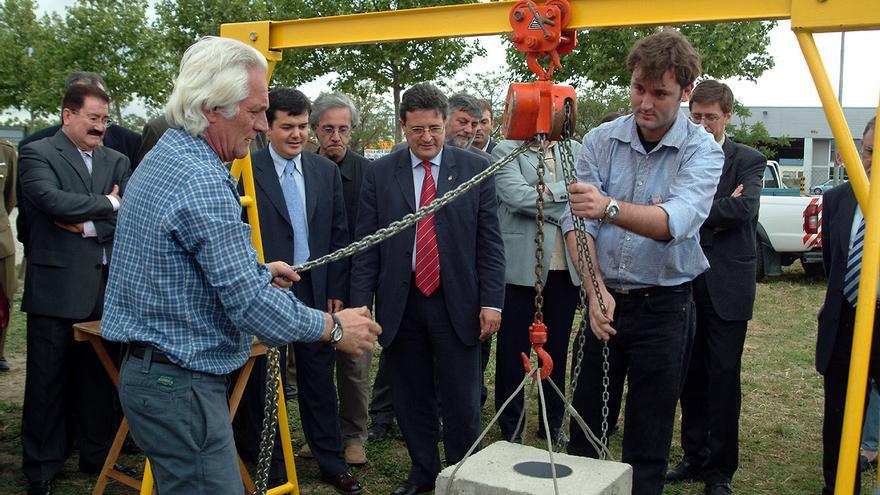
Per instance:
{"type": "Point", "coordinates": [612, 212]}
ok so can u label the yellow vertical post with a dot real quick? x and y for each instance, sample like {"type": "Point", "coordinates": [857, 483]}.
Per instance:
{"type": "Point", "coordinates": [869, 199]}
{"type": "Point", "coordinates": [862, 335]}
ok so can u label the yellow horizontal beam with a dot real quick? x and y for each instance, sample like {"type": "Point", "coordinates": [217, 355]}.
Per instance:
{"type": "Point", "coordinates": [479, 19]}
{"type": "Point", "coordinates": [820, 16]}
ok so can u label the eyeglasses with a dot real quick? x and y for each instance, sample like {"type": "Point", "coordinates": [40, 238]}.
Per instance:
{"type": "Point", "coordinates": [708, 117]}
{"type": "Point", "coordinates": [329, 130]}
{"type": "Point", "coordinates": [434, 130]}
{"type": "Point", "coordinates": [95, 119]}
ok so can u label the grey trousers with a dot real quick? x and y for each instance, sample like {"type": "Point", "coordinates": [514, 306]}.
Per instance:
{"type": "Point", "coordinates": [353, 386]}
{"type": "Point", "coordinates": [180, 418]}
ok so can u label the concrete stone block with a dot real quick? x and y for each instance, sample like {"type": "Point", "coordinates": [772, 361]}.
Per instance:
{"type": "Point", "coordinates": [499, 470]}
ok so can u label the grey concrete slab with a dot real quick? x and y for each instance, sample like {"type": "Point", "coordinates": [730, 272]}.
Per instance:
{"type": "Point", "coordinates": [498, 470]}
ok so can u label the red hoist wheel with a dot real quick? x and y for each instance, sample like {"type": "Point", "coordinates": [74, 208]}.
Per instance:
{"type": "Point", "coordinates": [539, 107]}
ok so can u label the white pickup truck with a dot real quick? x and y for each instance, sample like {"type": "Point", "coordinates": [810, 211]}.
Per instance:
{"type": "Point", "coordinates": [788, 227]}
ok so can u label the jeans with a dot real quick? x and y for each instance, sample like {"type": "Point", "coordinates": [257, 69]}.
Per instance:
{"type": "Point", "coordinates": [653, 327]}
{"type": "Point", "coordinates": [180, 418]}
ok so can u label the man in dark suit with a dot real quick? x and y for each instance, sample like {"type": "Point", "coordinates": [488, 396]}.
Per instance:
{"type": "Point", "coordinates": [439, 287]}
{"type": "Point", "coordinates": [842, 238]}
{"type": "Point", "coordinates": [333, 118]}
{"type": "Point", "coordinates": [302, 217]}
{"type": "Point", "coordinates": [115, 137]}
{"type": "Point", "coordinates": [483, 135]}
{"type": "Point", "coordinates": [71, 189]}
{"type": "Point", "coordinates": [723, 297]}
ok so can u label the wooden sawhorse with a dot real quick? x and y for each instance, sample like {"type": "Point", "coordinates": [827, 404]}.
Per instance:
{"type": "Point", "coordinates": [90, 331]}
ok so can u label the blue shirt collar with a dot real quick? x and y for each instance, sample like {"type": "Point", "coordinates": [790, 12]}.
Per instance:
{"type": "Point", "coordinates": [280, 162]}
{"type": "Point", "coordinates": [625, 131]}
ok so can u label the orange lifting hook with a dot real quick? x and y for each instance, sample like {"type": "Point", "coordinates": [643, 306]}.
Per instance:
{"type": "Point", "coordinates": [538, 337]}
{"type": "Point", "coordinates": [539, 107]}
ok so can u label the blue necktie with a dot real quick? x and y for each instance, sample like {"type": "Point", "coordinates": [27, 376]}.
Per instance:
{"type": "Point", "coordinates": [854, 266]}
{"type": "Point", "coordinates": [296, 211]}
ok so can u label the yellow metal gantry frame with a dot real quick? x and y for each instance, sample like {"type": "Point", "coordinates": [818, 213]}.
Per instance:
{"type": "Point", "coordinates": [478, 19]}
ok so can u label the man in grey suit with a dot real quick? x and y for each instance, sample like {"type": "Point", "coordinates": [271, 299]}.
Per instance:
{"type": "Point", "coordinates": [71, 189]}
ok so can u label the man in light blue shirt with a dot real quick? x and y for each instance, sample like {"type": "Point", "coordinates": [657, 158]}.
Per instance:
{"type": "Point", "coordinates": [186, 289]}
{"type": "Point", "coordinates": [645, 185]}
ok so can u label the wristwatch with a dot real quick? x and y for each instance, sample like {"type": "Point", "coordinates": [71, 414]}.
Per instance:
{"type": "Point", "coordinates": [336, 331]}
{"type": "Point", "coordinates": [611, 211]}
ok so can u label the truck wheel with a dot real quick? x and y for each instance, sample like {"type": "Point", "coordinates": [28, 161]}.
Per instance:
{"type": "Point", "coordinates": [813, 270]}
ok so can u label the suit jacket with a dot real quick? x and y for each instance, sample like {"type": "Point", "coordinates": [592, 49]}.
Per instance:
{"type": "Point", "coordinates": [838, 209]}
{"type": "Point", "coordinates": [468, 238]}
{"type": "Point", "coordinates": [515, 186]}
{"type": "Point", "coordinates": [352, 169]}
{"type": "Point", "coordinates": [325, 212]}
{"type": "Point", "coordinates": [728, 234]}
{"type": "Point", "coordinates": [64, 270]}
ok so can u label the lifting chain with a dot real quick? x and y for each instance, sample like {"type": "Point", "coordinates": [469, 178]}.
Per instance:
{"type": "Point", "coordinates": [270, 418]}
{"type": "Point", "coordinates": [568, 168]}
{"type": "Point", "coordinates": [540, 188]}
{"type": "Point", "coordinates": [273, 376]}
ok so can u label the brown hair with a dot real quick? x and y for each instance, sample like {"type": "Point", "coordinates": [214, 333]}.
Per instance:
{"type": "Point", "coordinates": [710, 91]}
{"type": "Point", "coordinates": [870, 125]}
{"type": "Point", "coordinates": [659, 52]}
{"type": "Point", "coordinates": [75, 97]}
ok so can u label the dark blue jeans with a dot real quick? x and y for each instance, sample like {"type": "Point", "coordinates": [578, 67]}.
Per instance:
{"type": "Point", "coordinates": [181, 420]}
{"type": "Point", "coordinates": [653, 328]}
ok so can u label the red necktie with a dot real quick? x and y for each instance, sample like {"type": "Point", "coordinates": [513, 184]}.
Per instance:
{"type": "Point", "coordinates": [427, 254]}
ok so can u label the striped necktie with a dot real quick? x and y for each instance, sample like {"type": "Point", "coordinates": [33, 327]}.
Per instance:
{"type": "Point", "coordinates": [297, 213]}
{"type": "Point", "coordinates": [854, 266]}
{"type": "Point", "coordinates": [427, 253]}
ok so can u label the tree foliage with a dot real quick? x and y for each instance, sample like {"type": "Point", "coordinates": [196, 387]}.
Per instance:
{"type": "Point", "coordinates": [25, 74]}
{"type": "Point", "coordinates": [734, 49]}
{"type": "Point", "coordinates": [755, 135]}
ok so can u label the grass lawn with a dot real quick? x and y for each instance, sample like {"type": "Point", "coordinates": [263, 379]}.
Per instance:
{"type": "Point", "coordinates": [780, 449]}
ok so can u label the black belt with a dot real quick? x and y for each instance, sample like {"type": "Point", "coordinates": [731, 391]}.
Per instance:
{"type": "Point", "coordinates": [138, 349]}
{"type": "Point", "coordinates": [646, 291]}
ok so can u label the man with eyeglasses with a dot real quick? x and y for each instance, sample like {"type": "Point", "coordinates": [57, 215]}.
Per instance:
{"type": "Point", "coordinates": [115, 137]}
{"type": "Point", "coordinates": [723, 297]}
{"type": "Point", "coordinates": [71, 190]}
{"type": "Point", "coordinates": [302, 217]}
{"type": "Point", "coordinates": [438, 286]}
{"type": "Point", "coordinates": [332, 120]}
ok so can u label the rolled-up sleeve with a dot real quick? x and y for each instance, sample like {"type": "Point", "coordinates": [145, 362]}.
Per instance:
{"type": "Point", "coordinates": [692, 190]}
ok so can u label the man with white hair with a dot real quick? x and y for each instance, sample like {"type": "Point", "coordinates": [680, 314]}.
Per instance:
{"type": "Point", "coordinates": [186, 289]}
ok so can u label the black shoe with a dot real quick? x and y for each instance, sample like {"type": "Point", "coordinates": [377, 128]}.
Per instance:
{"type": "Point", "coordinates": [718, 489]}
{"type": "Point", "coordinates": [290, 391]}
{"type": "Point", "coordinates": [554, 434]}
{"type": "Point", "coordinates": [377, 433]}
{"type": "Point", "coordinates": [4, 364]}
{"type": "Point", "coordinates": [344, 483]}
{"type": "Point", "coordinates": [128, 471]}
{"type": "Point", "coordinates": [685, 470]}
{"type": "Point", "coordinates": [411, 489]}
{"type": "Point", "coordinates": [39, 487]}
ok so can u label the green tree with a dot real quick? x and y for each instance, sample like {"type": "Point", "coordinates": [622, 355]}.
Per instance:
{"type": "Point", "coordinates": [377, 119]}
{"type": "Point", "coordinates": [110, 38]}
{"type": "Point", "coordinates": [733, 49]}
{"type": "Point", "coordinates": [28, 80]}
{"type": "Point", "coordinates": [386, 66]}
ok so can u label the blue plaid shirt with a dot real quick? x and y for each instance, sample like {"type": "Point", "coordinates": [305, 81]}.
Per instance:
{"type": "Point", "coordinates": [185, 277]}
{"type": "Point", "coordinates": [679, 175]}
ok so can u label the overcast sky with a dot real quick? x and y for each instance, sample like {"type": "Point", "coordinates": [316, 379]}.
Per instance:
{"type": "Point", "coordinates": [787, 84]}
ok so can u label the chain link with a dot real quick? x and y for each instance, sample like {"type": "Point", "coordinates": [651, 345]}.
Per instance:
{"type": "Point", "coordinates": [270, 419]}
{"type": "Point", "coordinates": [584, 261]}
{"type": "Point", "coordinates": [411, 219]}
{"type": "Point", "coordinates": [540, 188]}
{"type": "Point", "coordinates": [273, 377]}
